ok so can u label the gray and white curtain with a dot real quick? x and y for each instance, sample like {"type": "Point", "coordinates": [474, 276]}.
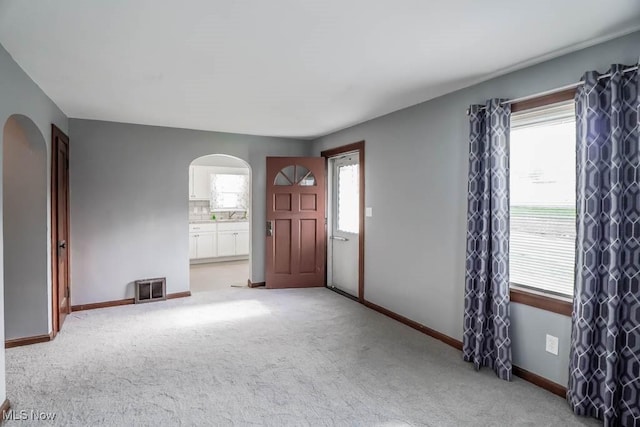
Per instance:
{"type": "Point", "coordinates": [229, 191]}
{"type": "Point", "coordinates": [604, 371]}
{"type": "Point", "coordinates": [486, 340]}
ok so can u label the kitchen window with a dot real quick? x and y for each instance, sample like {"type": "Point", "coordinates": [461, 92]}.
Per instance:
{"type": "Point", "coordinates": [543, 200]}
{"type": "Point", "coordinates": [229, 191]}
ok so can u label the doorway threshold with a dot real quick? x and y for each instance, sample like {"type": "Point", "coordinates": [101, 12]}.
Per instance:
{"type": "Point", "coordinates": [343, 293]}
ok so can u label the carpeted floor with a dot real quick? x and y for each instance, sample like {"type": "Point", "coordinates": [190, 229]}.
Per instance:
{"type": "Point", "coordinates": [243, 356]}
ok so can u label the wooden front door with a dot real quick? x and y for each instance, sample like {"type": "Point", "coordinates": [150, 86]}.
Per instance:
{"type": "Point", "coordinates": [60, 227]}
{"type": "Point", "coordinates": [295, 229]}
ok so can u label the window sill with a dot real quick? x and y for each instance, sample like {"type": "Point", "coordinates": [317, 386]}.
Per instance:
{"type": "Point", "coordinates": [543, 302]}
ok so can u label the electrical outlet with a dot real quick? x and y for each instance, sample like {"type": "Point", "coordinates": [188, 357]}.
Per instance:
{"type": "Point", "coordinates": [368, 212]}
{"type": "Point", "coordinates": [552, 344]}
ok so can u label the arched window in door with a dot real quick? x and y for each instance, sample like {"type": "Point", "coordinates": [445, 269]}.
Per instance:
{"type": "Point", "coordinates": [295, 175]}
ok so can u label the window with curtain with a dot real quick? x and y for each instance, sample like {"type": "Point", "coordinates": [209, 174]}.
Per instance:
{"type": "Point", "coordinates": [543, 199]}
{"type": "Point", "coordinates": [229, 191]}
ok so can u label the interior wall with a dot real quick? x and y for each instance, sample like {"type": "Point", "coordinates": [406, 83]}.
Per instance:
{"type": "Point", "coordinates": [416, 183]}
{"type": "Point", "coordinates": [20, 95]}
{"type": "Point", "coordinates": [221, 161]}
{"type": "Point", "coordinates": [24, 192]}
{"type": "Point", "coordinates": [119, 170]}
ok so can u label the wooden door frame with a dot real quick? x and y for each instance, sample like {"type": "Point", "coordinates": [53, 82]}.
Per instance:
{"type": "Point", "coordinates": [56, 134]}
{"type": "Point", "coordinates": [356, 147]}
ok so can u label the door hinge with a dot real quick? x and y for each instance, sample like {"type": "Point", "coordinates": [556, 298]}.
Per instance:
{"type": "Point", "coordinates": [68, 291]}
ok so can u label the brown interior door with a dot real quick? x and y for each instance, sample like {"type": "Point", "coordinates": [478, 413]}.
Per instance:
{"type": "Point", "coordinates": [295, 229]}
{"type": "Point", "coordinates": [60, 222]}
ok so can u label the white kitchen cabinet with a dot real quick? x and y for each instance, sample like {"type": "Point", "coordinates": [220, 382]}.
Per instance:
{"type": "Point", "coordinates": [202, 241]}
{"type": "Point", "coordinates": [242, 242]}
{"type": "Point", "coordinates": [203, 227]}
{"type": "Point", "coordinates": [202, 245]}
{"type": "Point", "coordinates": [221, 239]}
{"type": "Point", "coordinates": [233, 239]}
{"type": "Point", "coordinates": [233, 225]}
{"type": "Point", "coordinates": [200, 182]}
{"type": "Point", "coordinates": [206, 245]}
{"type": "Point", "coordinates": [226, 243]}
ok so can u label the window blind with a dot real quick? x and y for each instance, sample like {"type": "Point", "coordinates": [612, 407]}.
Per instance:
{"type": "Point", "coordinates": [543, 199]}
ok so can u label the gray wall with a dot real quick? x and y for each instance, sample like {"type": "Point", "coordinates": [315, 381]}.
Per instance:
{"type": "Point", "coordinates": [20, 95]}
{"type": "Point", "coordinates": [117, 171]}
{"type": "Point", "coordinates": [24, 191]}
{"type": "Point", "coordinates": [416, 182]}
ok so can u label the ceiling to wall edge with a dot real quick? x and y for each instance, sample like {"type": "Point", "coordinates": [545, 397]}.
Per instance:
{"type": "Point", "coordinates": [502, 72]}
{"type": "Point", "coordinates": [312, 138]}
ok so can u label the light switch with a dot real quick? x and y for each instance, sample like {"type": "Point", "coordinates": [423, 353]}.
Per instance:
{"type": "Point", "coordinates": [368, 212]}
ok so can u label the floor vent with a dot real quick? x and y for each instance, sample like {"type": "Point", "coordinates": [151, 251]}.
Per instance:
{"type": "Point", "coordinates": [151, 290]}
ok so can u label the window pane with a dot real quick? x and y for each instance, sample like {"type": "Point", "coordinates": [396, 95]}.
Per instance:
{"type": "Point", "coordinates": [308, 181]}
{"type": "Point", "coordinates": [304, 177]}
{"type": "Point", "coordinates": [301, 172]}
{"type": "Point", "coordinates": [348, 199]}
{"type": "Point", "coordinates": [281, 179]}
{"type": "Point", "coordinates": [229, 191]}
{"type": "Point", "coordinates": [295, 174]}
{"type": "Point", "coordinates": [228, 200]}
{"type": "Point", "coordinates": [286, 176]}
{"type": "Point", "coordinates": [543, 204]}
{"type": "Point", "coordinates": [228, 182]}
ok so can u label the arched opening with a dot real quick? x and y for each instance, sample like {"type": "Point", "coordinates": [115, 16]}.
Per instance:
{"type": "Point", "coordinates": [25, 236]}
{"type": "Point", "coordinates": [219, 223]}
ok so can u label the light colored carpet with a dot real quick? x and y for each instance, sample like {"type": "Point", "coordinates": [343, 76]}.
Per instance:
{"type": "Point", "coordinates": [218, 275]}
{"type": "Point", "coordinates": [262, 357]}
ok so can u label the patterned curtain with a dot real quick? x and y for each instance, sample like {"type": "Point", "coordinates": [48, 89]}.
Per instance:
{"type": "Point", "coordinates": [243, 192]}
{"type": "Point", "coordinates": [486, 340]}
{"type": "Point", "coordinates": [604, 370]}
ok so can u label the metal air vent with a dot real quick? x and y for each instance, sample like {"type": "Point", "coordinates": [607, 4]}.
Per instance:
{"type": "Point", "coordinates": [148, 290]}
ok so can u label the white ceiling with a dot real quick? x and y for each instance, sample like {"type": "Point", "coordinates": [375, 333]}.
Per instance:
{"type": "Point", "coordinates": [297, 68]}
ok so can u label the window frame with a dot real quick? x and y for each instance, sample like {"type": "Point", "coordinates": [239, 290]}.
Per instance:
{"type": "Point", "coordinates": [539, 299]}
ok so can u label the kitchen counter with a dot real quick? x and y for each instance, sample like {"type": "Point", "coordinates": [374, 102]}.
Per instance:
{"type": "Point", "coordinates": [211, 221]}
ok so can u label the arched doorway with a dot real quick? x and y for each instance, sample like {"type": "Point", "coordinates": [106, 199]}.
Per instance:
{"type": "Point", "coordinates": [27, 296]}
{"type": "Point", "coordinates": [219, 223]}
